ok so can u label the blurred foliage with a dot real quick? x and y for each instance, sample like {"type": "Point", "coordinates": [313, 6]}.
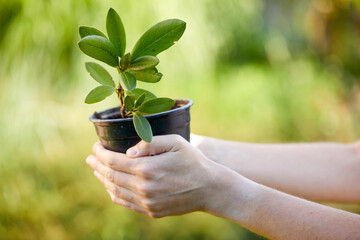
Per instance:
{"type": "Point", "coordinates": [262, 71]}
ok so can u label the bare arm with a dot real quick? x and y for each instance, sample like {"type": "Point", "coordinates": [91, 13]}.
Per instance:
{"type": "Point", "coordinates": [315, 171]}
{"type": "Point", "coordinates": [179, 179]}
{"type": "Point", "coordinates": [278, 215]}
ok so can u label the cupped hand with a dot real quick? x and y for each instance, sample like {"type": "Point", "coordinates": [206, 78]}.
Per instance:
{"type": "Point", "coordinates": [165, 177]}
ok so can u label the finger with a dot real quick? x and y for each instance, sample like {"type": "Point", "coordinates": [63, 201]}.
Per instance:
{"type": "Point", "coordinates": [114, 160]}
{"type": "Point", "coordinates": [121, 179]}
{"type": "Point", "coordinates": [118, 191]}
{"type": "Point", "coordinates": [158, 145]}
{"type": "Point", "coordinates": [128, 205]}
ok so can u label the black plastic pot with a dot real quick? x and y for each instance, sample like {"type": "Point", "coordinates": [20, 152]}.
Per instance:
{"type": "Point", "coordinates": [119, 134]}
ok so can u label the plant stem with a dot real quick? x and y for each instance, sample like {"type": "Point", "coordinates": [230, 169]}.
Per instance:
{"type": "Point", "coordinates": [129, 114]}
{"type": "Point", "coordinates": [120, 94]}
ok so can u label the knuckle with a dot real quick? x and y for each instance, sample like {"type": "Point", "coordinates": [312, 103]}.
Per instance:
{"type": "Point", "coordinates": [110, 161]}
{"type": "Point", "coordinates": [131, 207]}
{"type": "Point", "coordinates": [142, 190]}
{"type": "Point", "coordinates": [140, 168]}
{"type": "Point", "coordinates": [142, 145]}
{"type": "Point", "coordinates": [150, 149]}
{"type": "Point", "coordinates": [149, 203]}
{"type": "Point", "coordinates": [153, 214]}
{"type": "Point", "coordinates": [126, 204]}
{"type": "Point", "coordinates": [145, 171]}
{"type": "Point", "coordinates": [145, 190]}
{"type": "Point", "coordinates": [130, 198]}
{"type": "Point", "coordinates": [146, 147]}
{"type": "Point", "coordinates": [109, 175]}
{"type": "Point", "coordinates": [178, 139]}
{"type": "Point", "coordinates": [133, 164]}
{"type": "Point", "coordinates": [117, 191]}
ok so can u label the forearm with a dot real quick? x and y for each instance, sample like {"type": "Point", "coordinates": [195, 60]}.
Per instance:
{"type": "Point", "coordinates": [277, 215]}
{"type": "Point", "coordinates": [316, 171]}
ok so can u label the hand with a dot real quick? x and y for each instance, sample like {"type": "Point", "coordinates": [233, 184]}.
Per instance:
{"type": "Point", "coordinates": [165, 177]}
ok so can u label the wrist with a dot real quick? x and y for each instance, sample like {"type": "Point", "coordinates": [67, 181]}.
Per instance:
{"type": "Point", "coordinates": [230, 195]}
{"type": "Point", "coordinates": [207, 145]}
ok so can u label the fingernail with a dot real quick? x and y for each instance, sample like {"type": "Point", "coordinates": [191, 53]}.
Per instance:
{"type": "Point", "coordinates": [131, 152]}
{"type": "Point", "coordinates": [89, 160]}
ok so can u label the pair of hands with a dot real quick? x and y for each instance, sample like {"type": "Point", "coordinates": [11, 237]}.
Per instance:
{"type": "Point", "coordinates": [170, 177]}
{"type": "Point", "coordinates": [166, 177]}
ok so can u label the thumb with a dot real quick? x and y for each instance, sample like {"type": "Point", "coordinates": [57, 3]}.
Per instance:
{"type": "Point", "coordinates": [158, 145]}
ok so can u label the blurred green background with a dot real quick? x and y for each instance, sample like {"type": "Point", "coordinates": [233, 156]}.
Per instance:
{"type": "Point", "coordinates": [258, 71]}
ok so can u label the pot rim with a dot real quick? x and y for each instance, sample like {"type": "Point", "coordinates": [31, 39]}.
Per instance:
{"type": "Point", "coordinates": [93, 119]}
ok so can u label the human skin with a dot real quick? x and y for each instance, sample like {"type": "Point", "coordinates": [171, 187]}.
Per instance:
{"type": "Point", "coordinates": [170, 177]}
{"type": "Point", "coordinates": [315, 171]}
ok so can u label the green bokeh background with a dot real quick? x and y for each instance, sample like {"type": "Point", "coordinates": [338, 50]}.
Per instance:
{"type": "Point", "coordinates": [258, 71]}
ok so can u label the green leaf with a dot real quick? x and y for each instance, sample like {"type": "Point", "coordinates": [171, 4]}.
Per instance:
{"type": "Point", "coordinates": [125, 61]}
{"type": "Point", "coordinates": [139, 100]}
{"type": "Point", "coordinates": [144, 62]}
{"type": "Point", "coordinates": [133, 98]}
{"type": "Point", "coordinates": [148, 75]}
{"type": "Point", "coordinates": [116, 31]}
{"type": "Point", "coordinates": [129, 103]}
{"type": "Point", "coordinates": [158, 38]}
{"type": "Point", "coordinates": [99, 48]}
{"type": "Point", "coordinates": [99, 74]}
{"type": "Point", "coordinates": [87, 31]}
{"type": "Point", "coordinates": [127, 81]}
{"type": "Point", "coordinates": [142, 127]}
{"type": "Point", "coordinates": [98, 94]}
{"type": "Point", "coordinates": [156, 105]}
{"type": "Point", "coordinates": [139, 91]}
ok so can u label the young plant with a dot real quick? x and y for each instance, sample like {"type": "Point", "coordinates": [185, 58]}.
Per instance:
{"type": "Point", "coordinates": [137, 65]}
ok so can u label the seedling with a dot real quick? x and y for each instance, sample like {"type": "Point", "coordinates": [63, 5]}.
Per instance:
{"type": "Point", "coordinates": [137, 65]}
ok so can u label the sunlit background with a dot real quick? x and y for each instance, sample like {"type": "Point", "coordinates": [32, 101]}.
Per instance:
{"type": "Point", "coordinates": [258, 71]}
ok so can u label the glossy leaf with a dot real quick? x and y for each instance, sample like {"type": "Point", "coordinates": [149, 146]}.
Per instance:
{"type": "Point", "coordinates": [87, 31]}
{"type": "Point", "coordinates": [125, 61]}
{"type": "Point", "coordinates": [99, 74]}
{"type": "Point", "coordinates": [133, 98]}
{"type": "Point", "coordinates": [148, 75]}
{"type": "Point", "coordinates": [156, 105]}
{"type": "Point", "coordinates": [99, 48]}
{"type": "Point", "coordinates": [139, 91]}
{"type": "Point", "coordinates": [116, 31]}
{"type": "Point", "coordinates": [139, 100]}
{"type": "Point", "coordinates": [142, 127]}
{"type": "Point", "coordinates": [127, 81]}
{"type": "Point", "coordinates": [158, 38]}
{"type": "Point", "coordinates": [129, 103]}
{"type": "Point", "coordinates": [144, 62]}
{"type": "Point", "coordinates": [98, 94]}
